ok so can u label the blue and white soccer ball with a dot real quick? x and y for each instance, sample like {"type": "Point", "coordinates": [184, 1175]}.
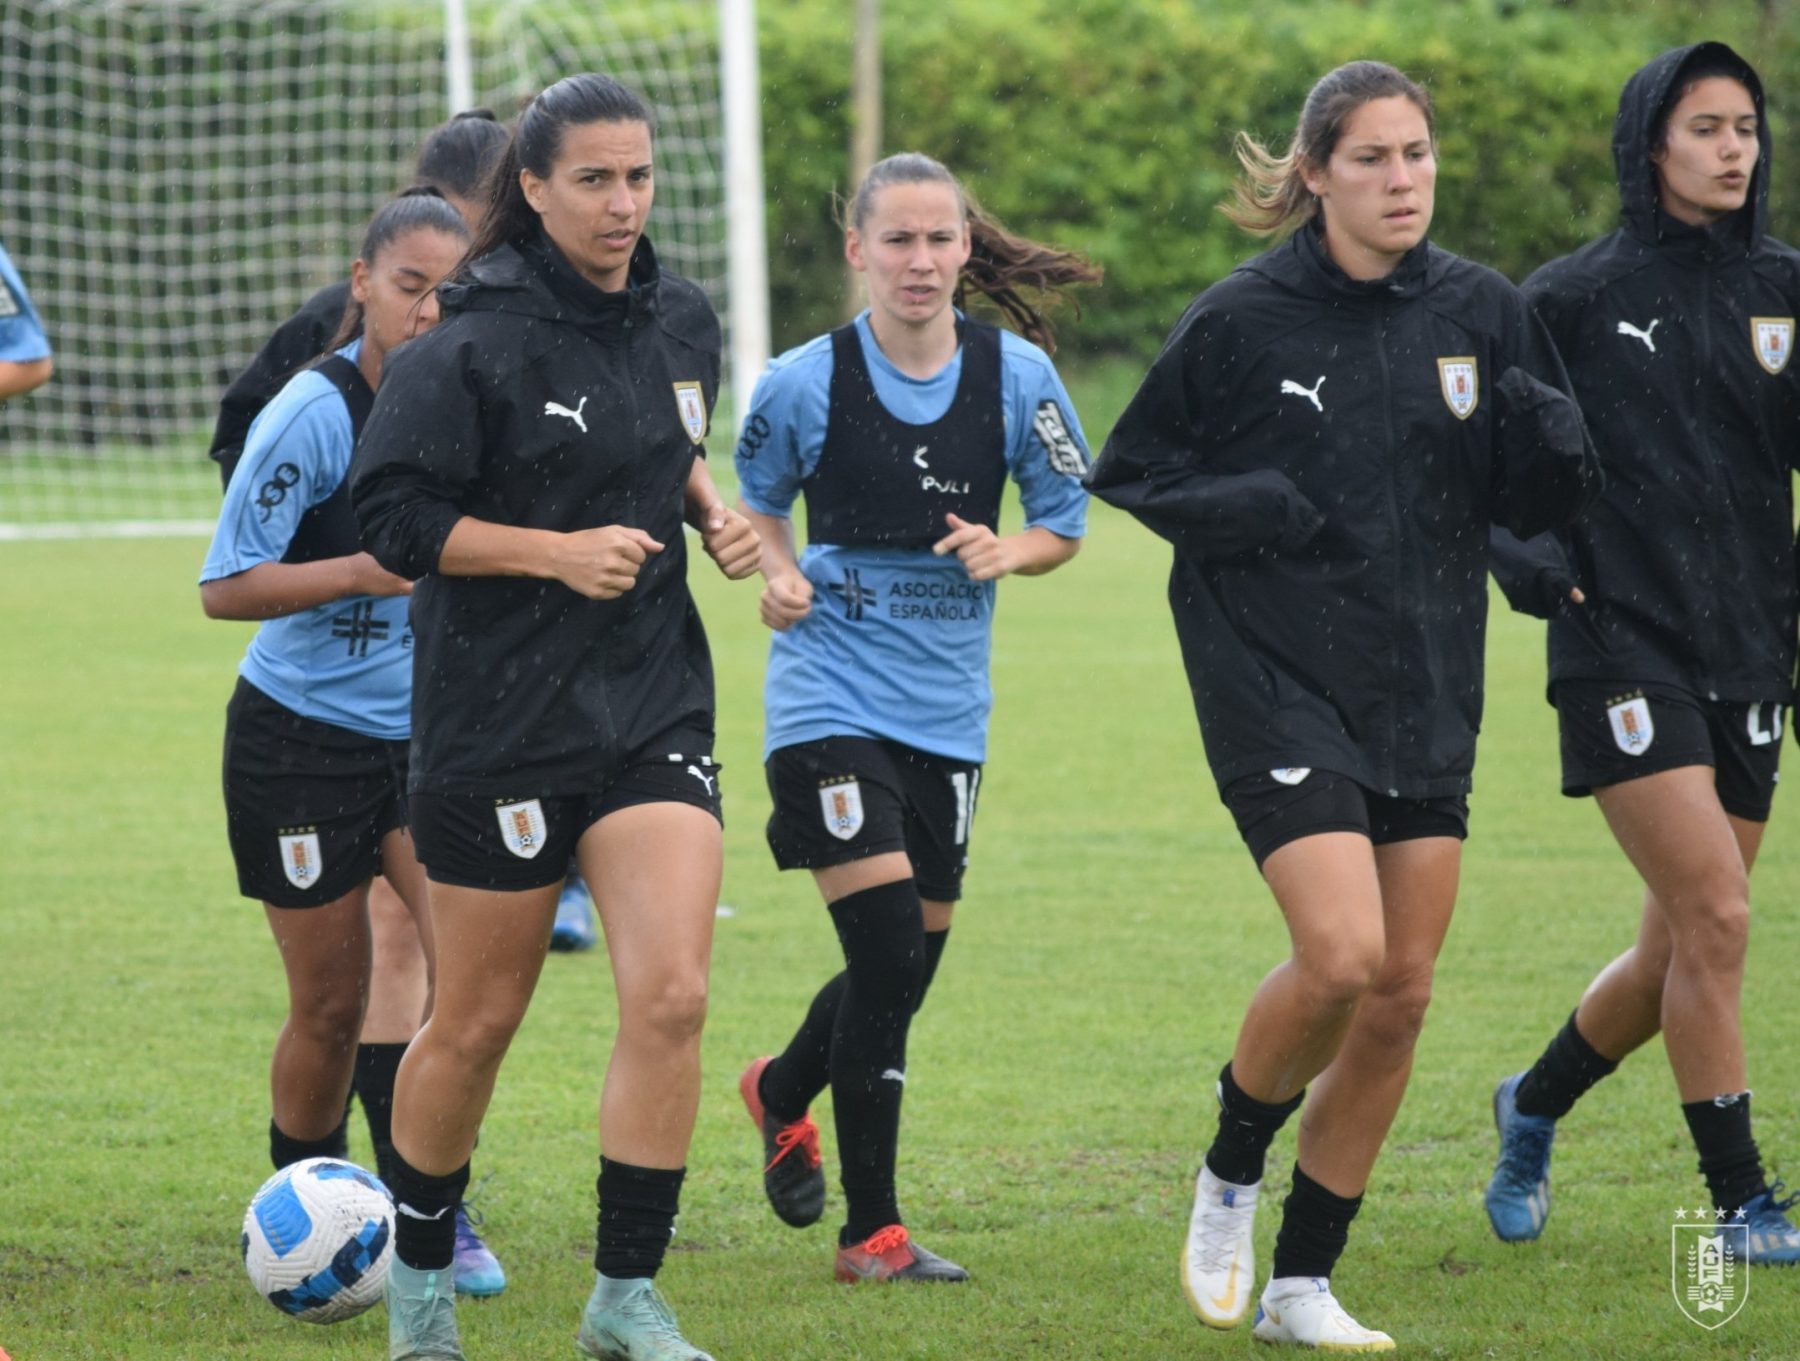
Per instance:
{"type": "Point", "coordinates": [318, 1239]}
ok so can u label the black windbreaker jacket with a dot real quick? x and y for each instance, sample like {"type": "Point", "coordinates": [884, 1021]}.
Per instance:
{"type": "Point", "coordinates": [543, 402]}
{"type": "Point", "coordinates": [1326, 456]}
{"type": "Point", "coordinates": [296, 343]}
{"type": "Point", "coordinates": [1678, 340]}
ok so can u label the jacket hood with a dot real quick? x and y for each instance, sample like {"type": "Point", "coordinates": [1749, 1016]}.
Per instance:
{"type": "Point", "coordinates": [1644, 103]}
{"type": "Point", "coordinates": [533, 278]}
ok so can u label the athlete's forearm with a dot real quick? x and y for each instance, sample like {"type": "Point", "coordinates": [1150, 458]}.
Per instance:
{"type": "Point", "coordinates": [1040, 550]}
{"type": "Point", "coordinates": [779, 557]}
{"type": "Point", "coordinates": [481, 548]}
{"type": "Point", "coordinates": [270, 590]}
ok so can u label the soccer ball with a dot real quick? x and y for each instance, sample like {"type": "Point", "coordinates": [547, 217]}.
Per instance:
{"type": "Point", "coordinates": [318, 1238]}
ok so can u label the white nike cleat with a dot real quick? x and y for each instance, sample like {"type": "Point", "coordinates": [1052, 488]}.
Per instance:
{"type": "Point", "coordinates": [1218, 1263]}
{"type": "Point", "coordinates": [1301, 1310]}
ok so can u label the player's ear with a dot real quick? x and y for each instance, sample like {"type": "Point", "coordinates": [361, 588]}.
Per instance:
{"type": "Point", "coordinates": [853, 249]}
{"type": "Point", "coordinates": [536, 191]}
{"type": "Point", "coordinates": [359, 280]}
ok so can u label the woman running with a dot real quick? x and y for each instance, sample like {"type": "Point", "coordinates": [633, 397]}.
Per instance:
{"type": "Point", "coordinates": [531, 465]}
{"type": "Point", "coordinates": [899, 430]}
{"type": "Point", "coordinates": [316, 733]}
{"type": "Point", "coordinates": [1672, 680]}
{"type": "Point", "coordinates": [1325, 439]}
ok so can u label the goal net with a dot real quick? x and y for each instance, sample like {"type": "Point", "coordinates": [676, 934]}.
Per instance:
{"type": "Point", "coordinates": [179, 175]}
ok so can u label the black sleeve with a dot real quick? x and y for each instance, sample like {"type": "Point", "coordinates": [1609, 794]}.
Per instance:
{"type": "Point", "coordinates": [1535, 577]}
{"type": "Point", "coordinates": [297, 341]}
{"type": "Point", "coordinates": [1153, 463]}
{"type": "Point", "coordinates": [1545, 469]}
{"type": "Point", "coordinates": [418, 455]}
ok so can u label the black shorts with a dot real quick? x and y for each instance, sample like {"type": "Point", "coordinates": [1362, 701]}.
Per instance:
{"type": "Point", "coordinates": [1285, 805]}
{"type": "Point", "coordinates": [523, 841]}
{"type": "Point", "coordinates": [306, 803]}
{"type": "Point", "coordinates": [1613, 732]}
{"type": "Point", "coordinates": [846, 798]}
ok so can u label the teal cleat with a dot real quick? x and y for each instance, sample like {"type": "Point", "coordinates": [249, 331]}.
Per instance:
{"type": "Point", "coordinates": [478, 1271]}
{"type": "Point", "coordinates": [1774, 1241]}
{"type": "Point", "coordinates": [1518, 1197]}
{"type": "Point", "coordinates": [630, 1321]}
{"type": "Point", "coordinates": [421, 1315]}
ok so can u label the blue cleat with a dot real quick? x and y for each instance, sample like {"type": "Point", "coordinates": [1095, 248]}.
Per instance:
{"type": "Point", "coordinates": [1774, 1241]}
{"type": "Point", "coordinates": [1518, 1198]}
{"type": "Point", "coordinates": [574, 929]}
{"type": "Point", "coordinates": [628, 1320]}
{"type": "Point", "coordinates": [478, 1271]}
{"type": "Point", "coordinates": [421, 1316]}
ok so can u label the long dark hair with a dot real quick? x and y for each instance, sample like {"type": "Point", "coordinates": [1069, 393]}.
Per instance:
{"type": "Point", "coordinates": [573, 101]}
{"type": "Point", "coordinates": [1019, 276]}
{"type": "Point", "coordinates": [458, 156]}
{"type": "Point", "coordinates": [412, 209]}
{"type": "Point", "coordinates": [1271, 195]}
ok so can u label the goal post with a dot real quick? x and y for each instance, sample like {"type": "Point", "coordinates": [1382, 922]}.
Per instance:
{"type": "Point", "coordinates": [179, 175]}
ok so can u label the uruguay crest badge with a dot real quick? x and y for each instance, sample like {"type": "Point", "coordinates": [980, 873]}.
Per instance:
{"type": "Point", "coordinates": [1461, 384]}
{"type": "Point", "coordinates": [841, 803]}
{"type": "Point", "coordinates": [690, 401]}
{"type": "Point", "coordinates": [1773, 338]}
{"type": "Point", "coordinates": [300, 859]}
{"type": "Point", "coordinates": [1709, 1268]}
{"type": "Point", "coordinates": [522, 827]}
{"type": "Point", "coordinates": [1632, 727]}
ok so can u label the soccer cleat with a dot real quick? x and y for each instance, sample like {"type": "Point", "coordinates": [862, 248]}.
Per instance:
{"type": "Point", "coordinates": [628, 1320]}
{"type": "Point", "coordinates": [1518, 1197]}
{"type": "Point", "coordinates": [1218, 1263]}
{"type": "Point", "coordinates": [1774, 1241]}
{"type": "Point", "coordinates": [1304, 1313]}
{"type": "Point", "coordinates": [478, 1271]}
{"type": "Point", "coordinates": [890, 1255]}
{"type": "Point", "coordinates": [421, 1315]}
{"type": "Point", "coordinates": [574, 928]}
{"type": "Point", "coordinates": [792, 1178]}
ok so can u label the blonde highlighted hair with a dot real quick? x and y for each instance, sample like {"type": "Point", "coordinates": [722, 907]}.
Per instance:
{"type": "Point", "coordinates": [1271, 196]}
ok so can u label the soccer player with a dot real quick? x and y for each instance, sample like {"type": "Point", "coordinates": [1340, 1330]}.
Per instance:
{"type": "Point", "coordinates": [315, 739]}
{"type": "Point", "coordinates": [455, 159]}
{"type": "Point", "coordinates": [25, 358]}
{"type": "Point", "coordinates": [531, 462]}
{"type": "Point", "coordinates": [1672, 680]}
{"type": "Point", "coordinates": [1325, 439]}
{"type": "Point", "coordinates": [899, 430]}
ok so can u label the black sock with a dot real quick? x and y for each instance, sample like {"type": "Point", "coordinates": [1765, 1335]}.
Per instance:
{"type": "Point", "coordinates": [1728, 1157]}
{"type": "Point", "coordinates": [637, 1218]}
{"type": "Point", "coordinates": [425, 1214]}
{"type": "Point", "coordinates": [883, 935]}
{"type": "Point", "coordinates": [1246, 1128]}
{"type": "Point", "coordinates": [285, 1150]}
{"type": "Point", "coordinates": [796, 1076]}
{"type": "Point", "coordinates": [1560, 1077]}
{"type": "Point", "coordinates": [376, 1065]}
{"type": "Point", "coordinates": [1315, 1225]}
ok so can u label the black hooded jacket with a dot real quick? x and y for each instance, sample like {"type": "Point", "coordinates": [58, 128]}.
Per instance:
{"type": "Point", "coordinates": [1326, 456]}
{"type": "Point", "coordinates": [543, 402]}
{"type": "Point", "coordinates": [296, 343]}
{"type": "Point", "coordinates": [1687, 560]}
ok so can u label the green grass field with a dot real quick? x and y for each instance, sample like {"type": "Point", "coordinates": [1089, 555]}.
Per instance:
{"type": "Point", "coordinates": [1060, 1077]}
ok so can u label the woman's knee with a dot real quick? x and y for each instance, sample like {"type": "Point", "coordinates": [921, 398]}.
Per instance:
{"type": "Point", "coordinates": [1341, 974]}
{"type": "Point", "coordinates": [669, 1012]}
{"type": "Point", "coordinates": [1393, 1012]}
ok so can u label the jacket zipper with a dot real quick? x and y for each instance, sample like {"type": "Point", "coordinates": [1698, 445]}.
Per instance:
{"type": "Point", "coordinates": [1387, 414]}
{"type": "Point", "coordinates": [1714, 492]}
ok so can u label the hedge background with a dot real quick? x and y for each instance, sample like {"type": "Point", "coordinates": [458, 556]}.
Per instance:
{"type": "Point", "coordinates": [1106, 125]}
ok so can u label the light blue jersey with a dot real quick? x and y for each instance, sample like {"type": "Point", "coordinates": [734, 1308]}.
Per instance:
{"type": "Point", "coordinates": [348, 662]}
{"type": "Point", "coordinates": [897, 643]}
{"type": "Point", "coordinates": [22, 338]}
